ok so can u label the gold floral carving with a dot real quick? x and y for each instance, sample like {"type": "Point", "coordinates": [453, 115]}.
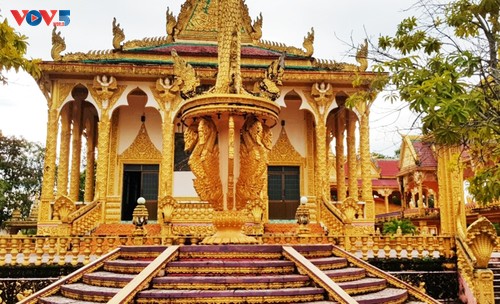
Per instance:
{"type": "Point", "coordinates": [201, 139]}
{"type": "Point", "coordinates": [63, 207]}
{"type": "Point", "coordinates": [322, 94]}
{"type": "Point", "coordinates": [193, 229]}
{"type": "Point", "coordinates": [142, 147]}
{"type": "Point", "coordinates": [118, 35]}
{"type": "Point", "coordinates": [255, 144]}
{"type": "Point", "coordinates": [192, 212]}
{"type": "Point", "coordinates": [283, 151]}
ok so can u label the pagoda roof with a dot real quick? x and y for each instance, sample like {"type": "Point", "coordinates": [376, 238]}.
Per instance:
{"type": "Point", "coordinates": [416, 154]}
{"type": "Point", "coordinates": [193, 35]}
{"type": "Point", "coordinates": [388, 167]}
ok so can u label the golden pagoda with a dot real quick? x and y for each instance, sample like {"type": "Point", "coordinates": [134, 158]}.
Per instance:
{"type": "Point", "coordinates": [208, 118]}
{"type": "Point", "coordinates": [211, 135]}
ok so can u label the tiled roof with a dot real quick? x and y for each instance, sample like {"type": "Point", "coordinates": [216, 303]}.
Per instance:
{"type": "Point", "coordinates": [205, 49]}
{"type": "Point", "coordinates": [424, 153]}
{"type": "Point", "coordinates": [388, 167]}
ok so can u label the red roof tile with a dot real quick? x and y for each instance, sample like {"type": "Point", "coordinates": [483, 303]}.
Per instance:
{"type": "Point", "coordinates": [388, 167]}
{"type": "Point", "coordinates": [424, 153]}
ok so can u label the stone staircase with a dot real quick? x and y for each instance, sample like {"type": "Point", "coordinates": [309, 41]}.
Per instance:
{"type": "Point", "coordinates": [228, 274]}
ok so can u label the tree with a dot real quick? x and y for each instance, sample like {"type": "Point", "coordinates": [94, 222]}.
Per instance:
{"type": "Point", "coordinates": [21, 170]}
{"type": "Point", "coordinates": [13, 47]}
{"type": "Point", "coordinates": [405, 225]}
{"type": "Point", "coordinates": [445, 65]}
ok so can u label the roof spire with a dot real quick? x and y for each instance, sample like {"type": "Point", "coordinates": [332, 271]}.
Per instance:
{"type": "Point", "coordinates": [229, 47]}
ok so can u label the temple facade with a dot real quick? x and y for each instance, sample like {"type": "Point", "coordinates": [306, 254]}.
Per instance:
{"type": "Point", "coordinates": [137, 121]}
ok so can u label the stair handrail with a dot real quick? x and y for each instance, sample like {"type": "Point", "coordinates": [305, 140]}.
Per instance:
{"type": "Point", "coordinates": [318, 276]}
{"type": "Point", "coordinates": [86, 211]}
{"type": "Point", "coordinates": [335, 215]}
{"type": "Point", "coordinates": [412, 290]}
{"type": "Point", "coordinates": [82, 211]}
{"type": "Point", "coordinates": [142, 280]}
{"type": "Point", "coordinates": [71, 278]}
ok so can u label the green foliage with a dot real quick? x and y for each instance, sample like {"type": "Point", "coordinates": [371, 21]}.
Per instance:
{"type": "Point", "coordinates": [405, 225]}
{"type": "Point", "coordinates": [446, 67]}
{"type": "Point", "coordinates": [21, 170]}
{"type": "Point", "coordinates": [13, 47]}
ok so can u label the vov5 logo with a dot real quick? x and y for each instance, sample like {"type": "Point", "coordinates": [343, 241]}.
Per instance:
{"type": "Point", "coordinates": [35, 17]}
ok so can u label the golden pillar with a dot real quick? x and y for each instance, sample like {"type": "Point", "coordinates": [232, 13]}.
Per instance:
{"type": "Point", "coordinates": [102, 159]}
{"type": "Point", "coordinates": [450, 177]}
{"type": "Point", "coordinates": [322, 187]}
{"type": "Point", "coordinates": [323, 96]}
{"type": "Point", "coordinates": [76, 150]}
{"type": "Point", "coordinates": [60, 92]}
{"type": "Point", "coordinates": [105, 92]}
{"type": "Point", "coordinates": [63, 167]}
{"type": "Point", "coordinates": [89, 176]}
{"type": "Point", "coordinates": [339, 151]}
{"type": "Point", "coordinates": [364, 149]}
{"type": "Point", "coordinates": [418, 178]}
{"type": "Point", "coordinates": [351, 155]}
{"type": "Point", "coordinates": [385, 193]}
{"type": "Point", "coordinates": [168, 98]}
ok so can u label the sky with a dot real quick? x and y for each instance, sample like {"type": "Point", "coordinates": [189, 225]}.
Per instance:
{"type": "Point", "coordinates": [337, 25]}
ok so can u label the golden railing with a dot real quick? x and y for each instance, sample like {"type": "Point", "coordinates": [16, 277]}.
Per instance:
{"type": "Point", "coordinates": [47, 250]}
{"type": "Point", "coordinates": [85, 219]}
{"type": "Point", "coordinates": [404, 246]}
{"type": "Point", "coordinates": [332, 218]}
{"type": "Point", "coordinates": [352, 259]}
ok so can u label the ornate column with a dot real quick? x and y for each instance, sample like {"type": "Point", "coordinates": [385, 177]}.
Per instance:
{"type": "Point", "coordinates": [385, 193]}
{"type": "Point", "coordinates": [418, 178]}
{"type": "Point", "coordinates": [364, 149]}
{"type": "Point", "coordinates": [65, 137]}
{"type": "Point", "coordinates": [351, 155]}
{"type": "Point", "coordinates": [59, 93]}
{"type": "Point", "coordinates": [168, 99]}
{"type": "Point", "coordinates": [450, 177]}
{"type": "Point", "coordinates": [322, 99]}
{"type": "Point", "coordinates": [339, 151]}
{"type": "Point", "coordinates": [76, 150]}
{"type": "Point", "coordinates": [106, 92]}
{"type": "Point", "coordinates": [89, 176]}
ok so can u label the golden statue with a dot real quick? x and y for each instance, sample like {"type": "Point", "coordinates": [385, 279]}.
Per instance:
{"type": "Point", "coordinates": [58, 44]}
{"type": "Point", "coordinates": [201, 139]}
{"type": "Point", "coordinates": [118, 35]}
{"type": "Point", "coordinates": [254, 147]}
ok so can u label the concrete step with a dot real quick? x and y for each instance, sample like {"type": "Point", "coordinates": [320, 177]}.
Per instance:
{"type": "Point", "coordinates": [388, 295]}
{"type": "Point", "coordinates": [126, 266]}
{"type": "Point", "coordinates": [230, 267]}
{"type": "Point", "coordinates": [363, 285]}
{"type": "Point", "coordinates": [346, 274]}
{"type": "Point", "coordinates": [84, 292]}
{"type": "Point", "coordinates": [107, 279]}
{"type": "Point", "coordinates": [62, 300]}
{"type": "Point", "coordinates": [231, 282]}
{"type": "Point", "coordinates": [288, 295]}
{"type": "Point", "coordinates": [327, 263]}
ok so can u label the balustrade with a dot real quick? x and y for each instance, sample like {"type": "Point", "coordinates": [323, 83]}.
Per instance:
{"type": "Point", "coordinates": [38, 250]}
